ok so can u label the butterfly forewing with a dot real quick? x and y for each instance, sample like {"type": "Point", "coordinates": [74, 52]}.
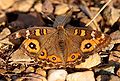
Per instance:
{"type": "Point", "coordinates": [90, 41]}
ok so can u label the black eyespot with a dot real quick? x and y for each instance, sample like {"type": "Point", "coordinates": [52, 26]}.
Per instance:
{"type": "Point", "coordinates": [88, 45]}
{"type": "Point", "coordinates": [32, 46]}
{"type": "Point", "coordinates": [73, 56]}
{"type": "Point", "coordinates": [53, 58]}
{"type": "Point", "coordinates": [42, 54]}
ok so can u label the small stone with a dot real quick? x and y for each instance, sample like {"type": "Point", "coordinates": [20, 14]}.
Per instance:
{"type": "Point", "coordinates": [32, 77]}
{"type": "Point", "coordinates": [98, 78]}
{"type": "Point", "coordinates": [38, 7]}
{"type": "Point", "coordinates": [5, 32]}
{"type": "Point", "coordinates": [114, 78]}
{"type": "Point", "coordinates": [61, 9]}
{"type": "Point", "coordinates": [22, 6]}
{"type": "Point", "coordinates": [94, 11]}
{"type": "Point", "coordinates": [16, 70]}
{"type": "Point", "coordinates": [47, 7]}
{"type": "Point", "coordinates": [110, 69]}
{"type": "Point", "coordinates": [118, 72]}
{"type": "Point", "coordinates": [2, 62]}
{"type": "Point", "coordinates": [115, 36]}
{"type": "Point", "coordinates": [2, 71]}
{"type": "Point", "coordinates": [111, 15]}
{"type": "Point", "coordinates": [30, 69]}
{"type": "Point", "coordinates": [4, 4]}
{"type": "Point", "coordinates": [81, 76]}
{"type": "Point", "coordinates": [6, 41]}
{"type": "Point", "coordinates": [103, 78]}
{"type": "Point", "coordinates": [75, 8]}
{"type": "Point", "coordinates": [92, 61]}
{"type": "Point", "coordinates": [56, 1]}
{"type": "Point", "coordinates": [21, 69]}
{"type": "Point", "coordinates": [115, 56]}
{"type": "Point", "coordinates": [107, 78]}
{"type": "Point", "coordinates": [118, 48]}
{"type": "Point", "coordinates": [41, 72]}
{"type": "Point", "coordinates": [57, 75]}
{"type": "Point", "coordinates": [3, 18]}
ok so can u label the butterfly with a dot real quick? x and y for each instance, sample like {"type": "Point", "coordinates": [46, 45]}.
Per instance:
{"type": "Point", "coordinates": [60, 46]}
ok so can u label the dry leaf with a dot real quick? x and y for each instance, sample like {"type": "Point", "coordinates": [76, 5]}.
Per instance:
{"type": "Point", "coordinates": [20, 57]}
{"type": "Point", "coordinates": [90, 62]}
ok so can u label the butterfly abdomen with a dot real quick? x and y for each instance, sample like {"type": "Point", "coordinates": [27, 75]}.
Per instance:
{"type": "Point", "coordinates": [61, 45]}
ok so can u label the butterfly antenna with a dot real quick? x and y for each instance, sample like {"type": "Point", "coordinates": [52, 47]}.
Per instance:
{"type": "Point", "coordinates": [47, 16]}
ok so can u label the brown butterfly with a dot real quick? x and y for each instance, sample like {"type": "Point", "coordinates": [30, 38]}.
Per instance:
{"type": "Point", "coordinates": [60, 46]}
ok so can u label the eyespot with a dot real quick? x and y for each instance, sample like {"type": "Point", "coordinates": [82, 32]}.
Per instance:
{"type": "Point", "coordinates": [43, 54]}
{"type": "Point", "coordinates": [88, 45]}
{"type": "Point", "coordinates": [73, 57]}
{"type": "Point", "coordinates": [31, 45]}
{"type": "Point", "coordinates": [54, 58]}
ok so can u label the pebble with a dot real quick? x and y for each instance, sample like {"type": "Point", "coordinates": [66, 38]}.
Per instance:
{"type": "Point", "coordinates": [38, 7]}
{"type": "Point", "coordinates": [47, 7]}
{"type": "Point", "coordinates": [57, 75]}
{"type": "Point", "coordinates": [5, 32]}
{"type": "Point", "coordinates": [107, 78]}
{"type": "Point", "coordinates": [114, 78]}
{"type": "Point", "coordinates": [18, 6]}
{"type": "Point", "coordinates": [5, 4]}
{"type": "Point", "coordinates": [41, 72]}
{"type": "Point", "coordinates": [115, 56]}
{"type": "Point", "coordinates": [61, 9]}
{"type": "Point", "coordinates": [81, 76]}
{"type": "Point", "coordinates": [118, 72]}
{"type": "Point", "coordinates": [30, 69]}
{"type": "Point", "coordinates": [2, 71]}
{"type": "Point", "coordinates": [2, 18]}
{"type": "Point", "coordinates": [32, 77]}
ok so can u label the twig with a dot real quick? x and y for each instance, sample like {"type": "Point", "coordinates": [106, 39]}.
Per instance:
{"type": "Point", "coordinates": [86, 10]}
{"type": "Point", "coordinates": [98, 13]}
